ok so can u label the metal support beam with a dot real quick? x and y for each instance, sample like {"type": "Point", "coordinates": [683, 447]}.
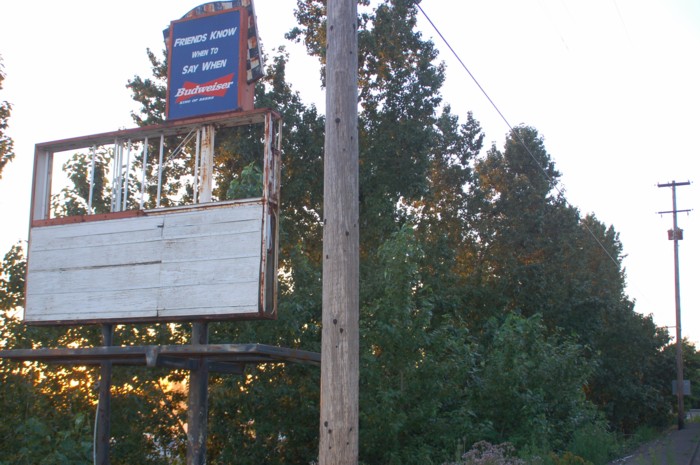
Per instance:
{"type": "Point", "coordinates": [206, 173]}
{"type": "Point", "coordinates": [102, 419]}
{"type": "Point", "coordinates": [198, 400]}
{"type": "Point", "coordinates": [187, 355]}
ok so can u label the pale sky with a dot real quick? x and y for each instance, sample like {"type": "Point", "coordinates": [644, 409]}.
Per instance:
{"type": "Point", "coordinates": [612, 85]}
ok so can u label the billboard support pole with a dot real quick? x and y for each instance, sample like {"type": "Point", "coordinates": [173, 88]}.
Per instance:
{"type": "Point", "coordinates": [102, 422]}
{"type": "Point", "coordinates": [198, 400]}
{"type": "Point", "coordinates": [206, 163]}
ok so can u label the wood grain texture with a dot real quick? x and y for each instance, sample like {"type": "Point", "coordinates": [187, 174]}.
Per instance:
{"type": "Point", "coordinates": [338, 440]}
{"type": "Point", "coordinates": [198, 263]}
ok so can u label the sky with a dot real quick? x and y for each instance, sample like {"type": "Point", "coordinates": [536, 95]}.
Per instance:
{"type": "Point", "coordinates": [613, 86]}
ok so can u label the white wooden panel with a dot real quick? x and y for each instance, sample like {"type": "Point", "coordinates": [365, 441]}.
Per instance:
{"type": "Point", "coordinates": [211, 247]}
{"type": "Point", "coordinates": [92, 305]}
{"type": "Point", "coordinates": [131, 277]}
{"type": "Point", "coordinates": [242, 219]}
{"type": "Point", "coordinates": [214, 229]}
{"type": "Point", "coordinates": [203, 296]}
{"type": "Point", "coordinates": [201, 263]}
{"type": "Point", "coordinates": [66, 316]}
{"type": "Point", "coordinates": [223, 271]}
{"type": "Point", "coordinates": [94, 230]}
{"type": "Point", "coordinates": [223, 312]}
{"type": "Point", "coordinates": [94, 257]}
{"type": "Point", "coordinates": [95, 244]}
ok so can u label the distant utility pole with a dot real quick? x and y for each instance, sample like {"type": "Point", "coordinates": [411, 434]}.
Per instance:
{"type": "Point", "coordinates": [340, 336]}
{"type": "Point", "coordinates": [675, 235]}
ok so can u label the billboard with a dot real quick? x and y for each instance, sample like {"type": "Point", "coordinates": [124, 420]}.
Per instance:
{"type": "Point", "coordinates": [206, 71]}
{"type": "Point", "coordinates": [206, 261]}
{"type": "Point", "coordinates": [254, 62]}
{"type": "Point", "coordinates": [203, 261]}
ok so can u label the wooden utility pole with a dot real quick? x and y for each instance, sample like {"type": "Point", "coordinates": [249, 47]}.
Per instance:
{"type": "Point", "coordinates": [338, 443]}
{"type": "Point", "coordinates": [675, 235]}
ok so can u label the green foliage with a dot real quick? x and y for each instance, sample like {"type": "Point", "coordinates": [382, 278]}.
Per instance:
{"type": "Point", "coordinates": [594, 443]}
{"type": "Point", "coordinates": [631, 382]}
{"type": "Point", "coordinates": [150, 92]}
{"type": "Point", "coordinates": [47, 413]}
{"type": "Point", "coordinates": [45, 446]}
{"type": "Point", "coordinates": [12, 275]}
{"type": "Point", "coordinates": [74, 199]}
{"type": "Point", "coordinates": [541, 257]}
{"type": "Point", "coordinates": [531, 388]}
{"type": "Point", "coordinates": [147, 417]}
{"type": "Point", "coordinates": [6, 143]}
{"type": "Point", "coordinates": [691, 372]}
{"type": "Point", "coordinates": [414, 371]}
{"type": "Point", "coordinates": [248, 184]}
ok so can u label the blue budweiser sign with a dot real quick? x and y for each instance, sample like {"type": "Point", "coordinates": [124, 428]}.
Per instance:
{"type": "Point", "coordinates": [206, 73]}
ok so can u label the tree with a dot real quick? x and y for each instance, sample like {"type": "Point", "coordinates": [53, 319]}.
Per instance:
{"type": "Point", "coordinates": [416, 372]}
{"type": "Point", "coordinates": [691, 369]}
{"type": "Point", "coordinates": [520, 222]}
{"type": "Point", "coordinates": [632, 375]}
{"type": "Point", "coordinates": [399, 92]}
{"type": "Point", "coordinates": [541, 258]}
{"type": "Point", "coordinates": [6, 143]}
{"type": "Point", "coordinates": [445, 219]}
{"type": "Point", "coordinates": [531, 390]}
{"type": "Point", "coordinates": [37, 404]}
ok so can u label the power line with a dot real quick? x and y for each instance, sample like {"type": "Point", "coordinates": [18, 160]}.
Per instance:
{"type": "Point", "coordinates": [622, 20]}
{"type": "Point", "coordinates": [516, 133]}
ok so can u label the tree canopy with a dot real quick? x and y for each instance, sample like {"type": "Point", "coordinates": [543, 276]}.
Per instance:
{"type": "Point", "coordinates": [6, 142]}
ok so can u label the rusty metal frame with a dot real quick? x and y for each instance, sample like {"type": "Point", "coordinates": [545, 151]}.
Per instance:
{"type": "Point", "coordinates": [44, 152]}
{"type": "Point", "coordinates": [222, 358]}
{"type": "Point", "coordinates": [171, 356]}
{"type": "Point", "coordinates": [41, 193]}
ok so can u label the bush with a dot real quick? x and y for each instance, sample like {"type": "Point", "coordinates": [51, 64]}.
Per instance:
{"type": "Point", "coordinates": [595, 443]}
{"type": "Point", "coordinates": [485, 453]}
{"type": "Point", "coordinates": [568, 458]}
{"type": "Point", "coordinates": [532, 386]}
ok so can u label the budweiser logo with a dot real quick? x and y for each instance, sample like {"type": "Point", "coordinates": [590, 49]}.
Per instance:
{"type": "Point", "coordinates": [214, 88]}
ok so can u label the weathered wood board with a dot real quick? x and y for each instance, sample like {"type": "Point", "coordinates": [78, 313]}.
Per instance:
{"type": "Point", "coordinates": [205, 262]}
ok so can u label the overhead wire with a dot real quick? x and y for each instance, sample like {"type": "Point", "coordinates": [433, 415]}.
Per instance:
{"type": "Point", "coordinates": [622, 20]}
{"type": "Point", "coordinates": [516, 134]}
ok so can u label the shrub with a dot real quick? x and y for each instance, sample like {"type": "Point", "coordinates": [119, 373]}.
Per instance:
{"type": "Point", "coordinates": [568, 458]}
{"type": "Point", "coordinates": [594, 443]}
{"type": "Point", "coordinates": [485, 453]}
